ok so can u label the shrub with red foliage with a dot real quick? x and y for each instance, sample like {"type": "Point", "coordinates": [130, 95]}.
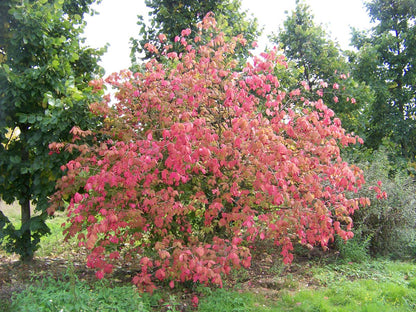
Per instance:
{"type": "Point", "coordinates": [199, 161]}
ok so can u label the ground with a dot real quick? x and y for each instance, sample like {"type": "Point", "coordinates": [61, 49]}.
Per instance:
{"type": "Point", "coordinates": [267, 275]}
{"type": "Point", "coordinates": [330, 279]}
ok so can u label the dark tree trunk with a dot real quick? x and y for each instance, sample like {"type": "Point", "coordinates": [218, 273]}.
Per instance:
{"type": "Point", "coordinates": [26, 238]}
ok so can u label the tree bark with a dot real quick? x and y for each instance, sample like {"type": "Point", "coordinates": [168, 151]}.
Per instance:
{"type": "Point", "coordinates": [26, 237]}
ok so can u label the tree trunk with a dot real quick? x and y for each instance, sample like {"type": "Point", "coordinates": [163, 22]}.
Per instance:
{"type": "Point", "coordinates": [26, 255]}
{"type": "Point", "coordinates": [26, 238]}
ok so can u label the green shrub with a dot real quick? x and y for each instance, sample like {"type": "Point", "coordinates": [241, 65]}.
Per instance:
{"type": "Point", "coordinates": [389, 224]}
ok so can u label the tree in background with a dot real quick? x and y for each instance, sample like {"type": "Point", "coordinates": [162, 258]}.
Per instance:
{"type": "Point", "coordinates": [44, 82]}
{"type": "Point", "coordinates": [387, 62]}
{"type": "Point", "coordinates": [169, 17]}
{"type": "Point", "coordinates": [316, 59]}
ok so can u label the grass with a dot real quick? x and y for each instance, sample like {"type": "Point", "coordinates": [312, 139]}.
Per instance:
{"type": "Point", "coordinates": [372, 285]}
{"type": "Point", "coordinates": [357, 295]}
{"type": "Point", "coordinates": [67, 296]}
{"type": "Point", "coordinates": [53, 243]}
{"type": "Point", "coordinates": [360, 295]}
{"type": "Point", "coordinates": [379, 270]}
{"type": "Point", "coordinates": [11, 211]}
{"type": "Point", "coordinates": [377, 285]}
{"type": "Point", "coordinates": [226, 300]}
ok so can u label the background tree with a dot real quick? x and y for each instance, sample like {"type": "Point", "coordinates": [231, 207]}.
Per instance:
{"type": "Point", "coordinates": [169, 18]}
{"type": "Point", "coordinates": [387, 62]}
{"type": "Point", "coordinates": [316, 59]}
{"type": "Point", "coordinates": [44, 75]}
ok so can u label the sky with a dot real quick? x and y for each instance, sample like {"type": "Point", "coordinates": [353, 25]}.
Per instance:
{"type": "Point", "coordinates": [116, 23]}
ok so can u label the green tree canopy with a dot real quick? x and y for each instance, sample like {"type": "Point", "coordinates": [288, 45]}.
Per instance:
{"type": "Point", "coordinates": [44, 83]}
{"type": "Point", "coordinates": [387, 62]}
{"type": "Point", "coordinates": [316, 59]}
{"type": "Point", "coordinates": [308, 45]}
{"type": "Point", "coordinates": [170, 17]}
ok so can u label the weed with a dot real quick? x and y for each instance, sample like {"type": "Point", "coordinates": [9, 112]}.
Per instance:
{"type": "Point", "coordinates": [240, 275]}
{"type": "Point", "coordinates": [290, 282]}
{"type": "Point", "coordinates": [355, 249]}
{"type": "Point", "coordinates": [277, 268]}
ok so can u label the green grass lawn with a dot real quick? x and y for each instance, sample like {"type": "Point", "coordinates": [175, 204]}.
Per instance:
{"type": "Point", "coordinates": [373, 285]}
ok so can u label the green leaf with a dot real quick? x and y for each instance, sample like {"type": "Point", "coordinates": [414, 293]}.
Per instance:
{"type": "Point", "coordinates": [22, 118]}
{"type": "Point", "coordinates": [37, 224]}
{"type": "Point", "coordinates": [74, 57]}
{"type": "Point", "coordinates": [6, 68]}
{"type": "Point", "coordinates": [31, 119]}
{"type": "Point", "coordinates": [55, 64]}
{"type": "Point", "coordinates": [15, 159]}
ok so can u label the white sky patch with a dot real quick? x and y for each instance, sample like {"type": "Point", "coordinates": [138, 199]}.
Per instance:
{"type": "Point", "coordinates": [117, 23]}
